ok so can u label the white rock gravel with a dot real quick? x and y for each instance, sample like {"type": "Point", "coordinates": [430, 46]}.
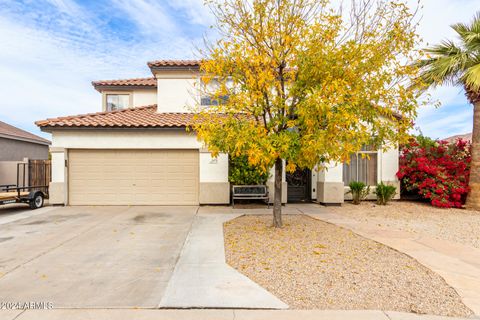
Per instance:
{"type": "Point", "coordinates": [311, 264]}
{"type": "Point", "coordinates": [457, 225]}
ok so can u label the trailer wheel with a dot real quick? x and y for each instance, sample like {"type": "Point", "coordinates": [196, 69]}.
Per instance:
{"type": "Point", "coordinates": [37, 201]}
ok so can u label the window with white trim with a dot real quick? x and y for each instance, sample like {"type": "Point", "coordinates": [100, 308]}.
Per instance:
{"type": "Point", "coordinates": [362, 167]}
{"type": "Point", "coordinates": [117, 101]}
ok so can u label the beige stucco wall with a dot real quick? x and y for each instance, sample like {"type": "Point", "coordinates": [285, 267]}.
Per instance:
{"type": "Point", "coordinates": [125, 139]}
{"type": "Point", "coordinates": [177, 91]}
{"type": "Point", "coordinates": [144, 97]}
{"type": "Point", "coordinates": [214, 185]}
{"type": "Point", "coordinates": [214, 193]}
{"type": "Point", "coordinates": [58, 164]}
{"type": "Point", "coordinates": [333, 172]}
{"type": "Point", "coordinates": [329, 184]}
{"type": "Point", "coordinates": [330, 192]}
{"type": "Point", "coordinates": [214, 169]}
{"type": "Point", "coordinates": [57, 190]}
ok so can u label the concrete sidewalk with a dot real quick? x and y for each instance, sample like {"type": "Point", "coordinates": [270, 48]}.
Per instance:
{"type": "Point", "coordinates": [202, 278]}
{"type": "Point", "coordinates": [214, 314]}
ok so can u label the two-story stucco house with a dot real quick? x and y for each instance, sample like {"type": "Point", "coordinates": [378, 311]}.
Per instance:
{"type": "Point", "coordinates": [136, 151]}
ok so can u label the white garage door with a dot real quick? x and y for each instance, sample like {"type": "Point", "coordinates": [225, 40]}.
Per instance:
{"type": "Point", "coordinates": [133, 177]}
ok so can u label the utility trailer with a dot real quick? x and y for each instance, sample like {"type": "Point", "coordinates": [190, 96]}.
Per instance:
{"type": "Point", "coordinates": [32, 196]}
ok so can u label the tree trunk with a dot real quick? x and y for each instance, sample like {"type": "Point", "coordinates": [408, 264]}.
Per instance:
{"type": "Point", "coordinates": [277, 197]}
{"type": "Point", "coordinates": [473, 199]}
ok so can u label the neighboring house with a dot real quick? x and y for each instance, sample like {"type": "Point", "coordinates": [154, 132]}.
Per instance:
{"type": "Point", "coordinates": [137, 151]}
{"type": "Point", "coordinates": [18, 146]}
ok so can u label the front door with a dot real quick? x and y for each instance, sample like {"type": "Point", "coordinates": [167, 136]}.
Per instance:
{"type": "Point", "coordinates": [298, 185]}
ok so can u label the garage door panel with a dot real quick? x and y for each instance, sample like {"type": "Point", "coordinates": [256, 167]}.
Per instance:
{"type": "Point", "coordinates": [133, 177]}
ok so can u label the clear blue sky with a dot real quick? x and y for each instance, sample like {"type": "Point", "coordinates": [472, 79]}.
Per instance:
{"type": "Point", "coordinates": [50, 51]}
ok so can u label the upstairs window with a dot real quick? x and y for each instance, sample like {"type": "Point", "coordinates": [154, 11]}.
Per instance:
{"type": "Point", "coordinates": [362, 167]}
{"type": "Point", "coordinates": [213, 101]}
{"type": "Point", "coordinates": [117, 101]}
{"type": "Point", "coordinates": [208, 97]}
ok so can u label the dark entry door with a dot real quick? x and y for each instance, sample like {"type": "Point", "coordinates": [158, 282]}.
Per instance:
{"type": "Point", "coordinates": [298, 185]}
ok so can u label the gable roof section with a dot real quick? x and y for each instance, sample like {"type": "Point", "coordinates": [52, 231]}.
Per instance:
{"type": "Point", "coordinates": [139, 117]}
{"type": "Point", "coordinates": [174, 65]}
{"type": "Point", "coordinates": [131, 83]}
{"type": "Point", "coordinates": [10, 132]}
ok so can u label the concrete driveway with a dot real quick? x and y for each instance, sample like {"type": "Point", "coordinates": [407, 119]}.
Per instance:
{"type": "Point", "coordinates": [92, 256]}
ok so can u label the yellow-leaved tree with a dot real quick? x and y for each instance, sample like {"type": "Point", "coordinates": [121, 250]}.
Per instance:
{"type": "Point", "coordinates": [307, 83]}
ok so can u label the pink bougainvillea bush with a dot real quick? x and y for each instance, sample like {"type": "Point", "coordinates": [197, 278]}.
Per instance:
{"type": "Point", "coordinates": [437, 170]}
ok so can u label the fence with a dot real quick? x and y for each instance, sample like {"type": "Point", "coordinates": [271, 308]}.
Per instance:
{"type": "Point", "coordinates": [40, 173]}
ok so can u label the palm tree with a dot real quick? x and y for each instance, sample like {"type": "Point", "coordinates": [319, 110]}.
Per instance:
{"type": "Point", "coordinates": [459, 64]}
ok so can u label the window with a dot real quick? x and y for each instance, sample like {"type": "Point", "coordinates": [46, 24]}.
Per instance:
{"type": "Point", "coordinates": [362, 167]}
{"type": "Point", "coordinates": [208, 91]}
{"type": "Point", "coordinates": [211, 101]}
{"type": "Point", "coordinates": [117, 101]}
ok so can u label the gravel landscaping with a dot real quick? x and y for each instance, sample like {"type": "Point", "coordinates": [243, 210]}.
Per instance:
{"type": "Point", "coordinates": [458, 225]}
{"type": "Point", "coordinates": [310, 264]}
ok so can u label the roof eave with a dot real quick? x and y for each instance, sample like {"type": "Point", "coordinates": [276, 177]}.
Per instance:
{"type": "Point", "coordinates": [101, 88]}
{"type": "Point", "coordinates": [49, 129]}
{"type": "Point", "coordinates": [7, 136]}
{"type": "Point", "coordinates": [174, 68]}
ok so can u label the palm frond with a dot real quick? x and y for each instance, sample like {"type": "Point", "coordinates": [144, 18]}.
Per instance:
{"type": "Point", "coordinates": [456, 64]}
{"type": "Point", "coordinates": [475, 27]}
{"type": "Point", "coordinates": [462, 29]}
{"type": "Point", "coordinates": [471, 77]}
{"type": "Point", "coordinates": [445, 48]}
{"type": "Point", "coordinates": [469, 33]}
{"type": "Point", "coordinates": [447, 64]}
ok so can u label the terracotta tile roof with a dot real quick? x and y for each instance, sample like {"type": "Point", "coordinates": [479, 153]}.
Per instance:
{"type": "Point", "coordinates": [173, 63]}
{"type": "Point", "coordinates": [139, 117]}
{"type": "Point", "coordinates": [9, 131]}
{"type": "Point", "coordinates": [136, 82]}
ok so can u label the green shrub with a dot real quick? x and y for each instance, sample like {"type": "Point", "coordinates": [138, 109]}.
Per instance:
{"type": "Point", "coordinates": [359, 191]}
{"type": "Point", "coordinates": [240, 172]}
{"type": "Point", "coordinates": [385, 193]}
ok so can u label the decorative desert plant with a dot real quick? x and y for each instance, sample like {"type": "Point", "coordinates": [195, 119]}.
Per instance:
{"type": "Point", "coordinates": [385, 193]}
{"type": "Point", "coordinates": [359, 191]}
{"type": "Point", "coordinates": [240, 172]}
{"type": "Point", "coordinates": [437, 170]}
